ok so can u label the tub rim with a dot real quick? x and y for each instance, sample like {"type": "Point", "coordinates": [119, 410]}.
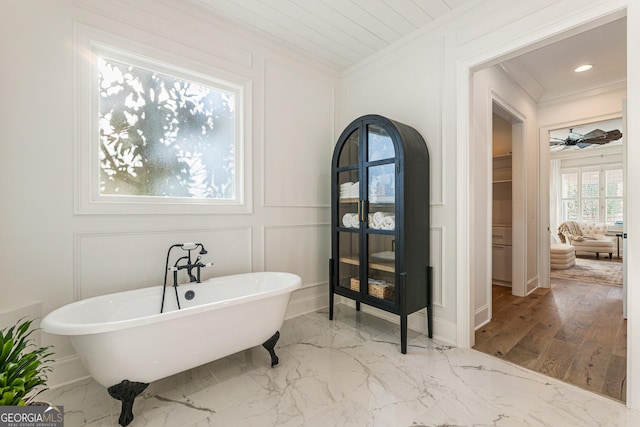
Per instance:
{"type": "Point", "coordinates": [56, 322]}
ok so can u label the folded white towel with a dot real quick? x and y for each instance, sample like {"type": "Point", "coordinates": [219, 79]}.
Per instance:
{"type": "Point", "coordinates": [350, 190]}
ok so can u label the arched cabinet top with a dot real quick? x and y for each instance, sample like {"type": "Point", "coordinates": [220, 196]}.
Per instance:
{"type": "Point", "coordinates": [407, 142]}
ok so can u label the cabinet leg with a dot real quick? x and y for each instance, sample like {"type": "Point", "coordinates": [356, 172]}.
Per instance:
{"type": "Point", "coordinates": [403, 334]}
{"type": "Point", "coordinates": [330, 304]}
{"type": "Point", "coordinates": [357, 305]}
{"type": "Point", "coordinates": [430, 301]}
{"type": "Point", "coordinates": [331, 289]}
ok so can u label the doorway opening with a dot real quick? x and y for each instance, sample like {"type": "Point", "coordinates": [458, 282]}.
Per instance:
{"type": "Point", "coordinates": [507, 137]}
{"type": "Point", "coordinates": [548, 336]}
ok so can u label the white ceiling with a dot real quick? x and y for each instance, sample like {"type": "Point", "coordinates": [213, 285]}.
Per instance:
{"type": "Point", "coordinates": [341, 32]}
{"type": "Point", "coordinates": [344, 32]}
{"type": "Point", "coordinates": [548, 72]}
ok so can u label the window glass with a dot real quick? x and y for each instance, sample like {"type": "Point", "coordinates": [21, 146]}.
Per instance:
{"type": "Point", "coordinates": [163, 136]}
{"type": "Point", "coordinates": [569, 185]}
{"type": "Point", "coordinates": [614, 193]}
{"type": "Point", "coordinates": [380, 144]}
{"type": "Point", "coordinates": [613, 183]}
{"type": "Point", "coordinates": [570, 210]}
{"type": "Point", "coordinates": [349, 151]}
{"type": "Point", "coordinates": [590, 210]}
{"type": "Point", "coordinates": [614, 212]}
{"type": "Point", "coordinates": [590, 184]}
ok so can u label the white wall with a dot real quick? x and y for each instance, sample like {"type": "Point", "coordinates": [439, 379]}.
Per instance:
{"type": "Point", "coordinates": [53, 256]}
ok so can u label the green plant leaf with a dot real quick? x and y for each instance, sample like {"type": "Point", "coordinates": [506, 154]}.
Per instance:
{"type": "Point", "coordinates": [23, 364]}
{"type": "Point", "coordinates": [6, 350]}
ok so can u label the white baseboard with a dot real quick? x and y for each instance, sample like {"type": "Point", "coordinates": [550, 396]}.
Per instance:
{"type": "Point", "coordinates": [308, 300]}
{"type": "Point", "coordinates": [443, 330]}
{"type": "Point", "coordinates": [481, 317]}
{"type": "Point", "coordinates": [67, 371]}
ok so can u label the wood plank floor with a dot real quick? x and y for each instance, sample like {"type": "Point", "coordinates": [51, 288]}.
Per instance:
{"type": "Point", "coordinates": [573, 331]}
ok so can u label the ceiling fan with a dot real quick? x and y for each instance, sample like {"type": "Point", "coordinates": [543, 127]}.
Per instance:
{"type": "Point", "coordinates": [596, 136]}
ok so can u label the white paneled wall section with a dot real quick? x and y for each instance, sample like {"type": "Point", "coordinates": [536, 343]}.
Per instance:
{"type": "Point", "coordinates": [290, 127]}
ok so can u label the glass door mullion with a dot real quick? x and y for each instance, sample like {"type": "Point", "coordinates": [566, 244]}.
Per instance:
{"type": "Point", "coordinates": [363, 196]}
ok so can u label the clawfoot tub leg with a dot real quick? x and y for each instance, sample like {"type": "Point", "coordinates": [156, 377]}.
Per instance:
{"type": "Point", "coordinates": [126, 392]}
{"type": "Point", "coordinates": [269, 345]}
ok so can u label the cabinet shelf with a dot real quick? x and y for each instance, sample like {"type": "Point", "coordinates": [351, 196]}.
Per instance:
{"type": "Point", "coordinates": [349, 200]}
{"type": "Point", "coordinates": [387, 203]}
{"type": "Point", "coordinates": [502, 181]}
{"type": "Point", "coordinates": [389, 267]}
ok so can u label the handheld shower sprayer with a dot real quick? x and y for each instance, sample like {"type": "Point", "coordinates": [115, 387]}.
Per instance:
{"type": "Point", "coordinates": [189, 246]}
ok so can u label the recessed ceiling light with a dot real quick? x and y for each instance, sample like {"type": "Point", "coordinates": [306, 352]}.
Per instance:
{"type": "Point", "coordinates": [583, 68]}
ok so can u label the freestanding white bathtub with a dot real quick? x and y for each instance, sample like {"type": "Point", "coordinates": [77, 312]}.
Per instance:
{"type": "Point", "coordinates": [123, 337]}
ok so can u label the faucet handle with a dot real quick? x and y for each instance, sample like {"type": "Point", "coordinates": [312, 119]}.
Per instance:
{"type": "Point", "coordinates": [172, 269]}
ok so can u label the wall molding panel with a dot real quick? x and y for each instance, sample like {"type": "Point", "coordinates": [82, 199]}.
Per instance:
{"type": "Point", "coordinates": [307, 251]}
{"type": "Point", "coordinates": [108, 262]}
{"type": "Point", "coordinates": [307, 300]}
{"type": "Point", "coordinates": [301, 177]}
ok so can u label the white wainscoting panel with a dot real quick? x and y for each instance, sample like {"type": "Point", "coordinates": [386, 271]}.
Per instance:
{"type": "Point", "coordinates": [120, 261]}
{"type": "Point", "coordinates": [299, 131]}
{"type": "Point", "coordinates": [300, 249]}
{"type": "Point", "coordinates": [308, 299]}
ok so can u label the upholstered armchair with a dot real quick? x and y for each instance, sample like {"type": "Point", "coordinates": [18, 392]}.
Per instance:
{"type": "Point", "coordinates": [587, 237]}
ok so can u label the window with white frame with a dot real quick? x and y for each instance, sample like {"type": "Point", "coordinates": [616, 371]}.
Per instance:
{"type": "Point", "coordinates": [593, 194]}
{"type": "Point", "coordinates": [158, 132]}
{"type": "Point", "coordinates": [164, 136]}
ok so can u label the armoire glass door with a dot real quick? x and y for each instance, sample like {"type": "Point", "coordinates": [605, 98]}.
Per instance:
{"type": "Point", "coordinates": [380, 172]}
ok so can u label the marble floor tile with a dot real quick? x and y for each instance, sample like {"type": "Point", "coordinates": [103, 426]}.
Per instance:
{"type": "Point", "coordinates": [350, 372]}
